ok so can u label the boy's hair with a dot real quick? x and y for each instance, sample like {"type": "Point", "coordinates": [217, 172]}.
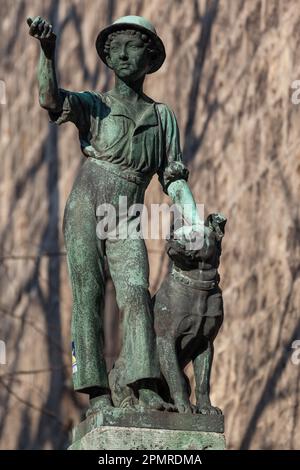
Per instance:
{"type": "Point", "coordinates": [144, 37]}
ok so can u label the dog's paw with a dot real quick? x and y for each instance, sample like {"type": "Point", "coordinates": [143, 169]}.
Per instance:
{"type": "Point", "coordinates": [183, 406]}
{"type": "Point", "coordinates": [208, 410]}
{"type": "Point", "coordinates": [151, 401]}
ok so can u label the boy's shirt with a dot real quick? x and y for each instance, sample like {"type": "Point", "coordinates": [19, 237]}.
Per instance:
{"type": "Point", "coordinates": [108, 131]}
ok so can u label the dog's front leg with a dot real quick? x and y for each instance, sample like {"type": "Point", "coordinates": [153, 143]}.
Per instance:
{"type": "Point", "coordinates": [202, 369]}
{"type": "Point", "coordinates": [173, 374]}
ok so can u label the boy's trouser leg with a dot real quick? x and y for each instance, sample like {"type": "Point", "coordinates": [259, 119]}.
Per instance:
{"type": "Point", "coordinates": [129, 269]}
{"type": "Point", "coordinates": [85, 257]}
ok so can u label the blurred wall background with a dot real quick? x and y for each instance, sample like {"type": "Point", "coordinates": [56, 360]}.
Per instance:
{"type": "Point", "coordinates": [228, 75]}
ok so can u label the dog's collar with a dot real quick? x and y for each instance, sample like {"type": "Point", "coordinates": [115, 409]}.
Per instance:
{"type": "Point", "coordinates": [194, 283]}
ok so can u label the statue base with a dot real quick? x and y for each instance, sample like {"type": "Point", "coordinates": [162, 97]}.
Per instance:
{"type": "Point", "coordinates": [126, 430]}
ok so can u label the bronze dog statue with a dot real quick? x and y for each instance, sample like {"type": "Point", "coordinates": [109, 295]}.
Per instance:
{"type": "Point", "coordinates": [188, 313]}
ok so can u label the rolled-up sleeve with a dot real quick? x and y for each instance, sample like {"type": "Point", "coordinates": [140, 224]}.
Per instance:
{"type": "Point", "coordinates": [76, 108]}
{"type": "Point", "coordinates": [172, 167]}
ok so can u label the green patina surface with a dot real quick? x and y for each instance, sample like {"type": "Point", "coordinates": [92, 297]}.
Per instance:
{"type": "Point", "coordinates": [122, 429]}
{"type": "Point", "coordinates": [152, 419]}
{"type": "Point", "coordinates": [126, 138]}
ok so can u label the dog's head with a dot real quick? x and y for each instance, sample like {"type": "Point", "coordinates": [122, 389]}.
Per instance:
{"type": "Point", "coordinates": [188, 259]}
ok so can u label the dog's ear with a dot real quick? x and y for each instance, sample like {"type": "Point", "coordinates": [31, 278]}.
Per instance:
{"type": "Point", "coordinates": [209, 220]}
{"type": "Point", "coordinates": [221, 222]}
{"type": "Point", "coordinates": [217, 222]}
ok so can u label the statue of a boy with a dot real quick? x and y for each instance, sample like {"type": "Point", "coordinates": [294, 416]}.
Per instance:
{"type": "Point", "coordinates": [126, 138]}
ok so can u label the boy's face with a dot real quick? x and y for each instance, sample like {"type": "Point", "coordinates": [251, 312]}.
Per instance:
{"type": "Point", "coordinates": [128, 57]}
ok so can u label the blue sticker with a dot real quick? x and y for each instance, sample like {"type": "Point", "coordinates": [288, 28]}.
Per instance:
{"type": "Point", "coordinates": [74, 362]}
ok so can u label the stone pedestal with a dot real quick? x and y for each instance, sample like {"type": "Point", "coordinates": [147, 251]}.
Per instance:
{"type": "Point", "coordinates": [126, 430]}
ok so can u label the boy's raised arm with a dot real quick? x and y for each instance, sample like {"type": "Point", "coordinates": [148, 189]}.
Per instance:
{"type": "Point", "coordinates": [49, 96]}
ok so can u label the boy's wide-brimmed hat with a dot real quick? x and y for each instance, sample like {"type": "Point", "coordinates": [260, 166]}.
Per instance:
{"type": "Point", "coordinates": [137, 23]}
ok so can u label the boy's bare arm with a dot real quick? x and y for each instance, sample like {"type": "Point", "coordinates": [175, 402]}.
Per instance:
{"type": "Point", "coordinates": [49, 96]}
{"type": "Point", "coordinates": [181, 195]}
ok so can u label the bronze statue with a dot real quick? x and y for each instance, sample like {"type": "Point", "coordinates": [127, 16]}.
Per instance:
{"type": "Point", "coordinates": [188, 315]}
{"type": "Point", "coordinates": [126, 138]}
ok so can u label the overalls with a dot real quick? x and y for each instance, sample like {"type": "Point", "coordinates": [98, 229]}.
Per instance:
{"type": "Point", "coordinates": [122, 156]}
